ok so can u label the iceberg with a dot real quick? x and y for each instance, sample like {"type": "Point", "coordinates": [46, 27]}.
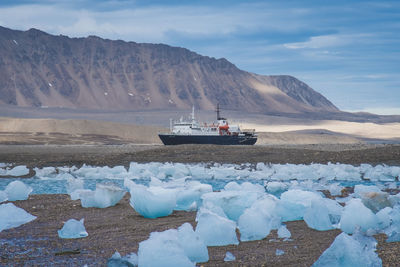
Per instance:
{"type": "Point", "coordinates": [116, 260]}
{"type": "Point", "coordinates": [45, 172]}
{"type": "Point", "coordinates": [17, 190]}
{"type": "Point", "coordinates": [73, 229]}
{"type": "Point", "coordinates": [349, 251]}
{"type": "Point", "coordinates": [276, 188]}
{"type": "Point", "coordinates": [360, 189]}
{"type": "Point", "coordinates": [3, 196]}
{"type": "Point", "coordinates": [18, 171]}
{"type": "Point", "coordinates": [257, 221]}
{"type": "Point", "coordinates": [163, 249]}
{"type": "Point", "coordinates": [74, 184]}
{"type": "Point", "coordinates": [246, 186]}
{"type": "Point", "coordinates": [335, 189]}
{"type": "Point", "coordinates": [152, 202]}
{"type": "Point", "coordinates": [189, 196]}
{"type": "Point", "coordinates": [356, 214]}
{"type": "Point", "coordinates": [293, 204]}
{"type": "Point", "coordinates": [214, 229]}
{"type": "Point", "coordinates": [12, 216]}
{"type": "Point", "coordinates": [233, 203]}
{"type": "Point", "coordinates": [317, 216]}
{"type": "Point", "coordinates": [104, 196]}
{"type": "Point", "coordinates": [192, 244]}
{"type": "Point", "coordinates": [283, 232]}
{"type": "Point", "coordinates": [376, 201]}
{"type": "Point", "coordinates": [229, 256]}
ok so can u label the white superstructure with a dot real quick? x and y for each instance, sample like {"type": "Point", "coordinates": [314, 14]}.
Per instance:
{"type": "Point", "coordinates": [192, 127]}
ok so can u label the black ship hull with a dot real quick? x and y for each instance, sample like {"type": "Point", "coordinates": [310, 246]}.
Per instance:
{"type": "Point", "coordinates": [174, 139]}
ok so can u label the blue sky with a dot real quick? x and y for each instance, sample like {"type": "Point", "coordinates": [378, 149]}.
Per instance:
{"type": "Point", "coordinates": [347, 50]}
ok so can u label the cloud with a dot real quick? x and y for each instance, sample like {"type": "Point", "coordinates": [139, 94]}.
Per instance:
{"type": "Point", "coordinates": [326, 41]}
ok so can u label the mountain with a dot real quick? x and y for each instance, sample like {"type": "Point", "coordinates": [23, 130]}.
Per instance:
{"type": "Point", "coordinates": [42, 70]}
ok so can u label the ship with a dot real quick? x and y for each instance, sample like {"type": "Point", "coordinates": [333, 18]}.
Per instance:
{"type": "Point", "coordinates": [217, 133]}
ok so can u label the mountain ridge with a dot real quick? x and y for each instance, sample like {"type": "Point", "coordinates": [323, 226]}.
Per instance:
{"type": "Point", "coordinates": [38, 69]}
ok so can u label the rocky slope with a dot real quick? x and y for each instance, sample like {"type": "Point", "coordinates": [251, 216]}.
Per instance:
{"type": "Point", "coordinates": [42, 70]}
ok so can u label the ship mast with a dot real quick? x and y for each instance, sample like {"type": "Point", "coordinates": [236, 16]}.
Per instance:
{"type": "Point", "coordinates": [218, 113]}
{"type": "Point", "coordinates": [193, 114]}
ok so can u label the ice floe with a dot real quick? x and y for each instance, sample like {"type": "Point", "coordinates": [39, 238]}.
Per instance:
{"type": "Point", "coordinates": [163, 249]}
{"type": "Point", "coordinates": [355, 214]}
{"type": "Point", "coordinates": [73, 229]}
{"type": "Point", "coordinates": [229, 256]}
{"type": "Point", "coordinates": [18, 171]}
{"type": "Point", "coordinates": [257, 221]}
{"type": "Point", "coordinates": [104, 196]}
{"type": "Point", "coordinates": [116, 260]}
{"type": "Point", "coordinates": [215, 229]}
{"type": "Point", "coordinates": [17, 190]}
{"type": "Point", "coordinates": [356, 250]}
{"type": "Point", "coordinates": [12, 216]}
{"type": "Point", "coordinates": [152, 202]}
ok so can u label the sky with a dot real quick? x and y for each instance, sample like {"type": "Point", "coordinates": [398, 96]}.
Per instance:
{"type": "Point", "coordinates": [349, 51]}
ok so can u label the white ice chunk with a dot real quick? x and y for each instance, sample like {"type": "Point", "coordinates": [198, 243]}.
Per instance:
{"type": "Point", "coordinates": [73, 229]}
{"type": "Point", "coordinates": [246, 186]}
{"type": "Point", "coordinates": [376, 201]}
{"type": "Point", "coordinates": [379, 173]}
{"type": "Point", "coordinates": [163, 249]}
{"type": "Point", "coordinates": [17, 190]}
{"type": "Point", "coordinates": [293, 204]}
{"type": "Point", "coordinates": [81, 193]}
{"type": "Point", "coordinates": [345, 172]}
{"type": "Point", "coordinates": [317, 216]}
{"type": "Point", "coordinates": [45, 172]}
{"type": "Point", "coordinates": [214, 229]}
{"type": "Point", "coordinates": [74, 184]}
{"type": "Point", "coordinates": [3, 196]}
{"type": "Point", "coordinates": [18, 171]}
{"type": "Point", "coordinates": [189, 196]}
{"type": "Point", "coordinates": [3, 164]}
{"type": "Point", "coordinates": [192, 244]}
{"type": "Point", "coordinates": [360, 189]}
{"type": "Point", "coordinates": [229, 256]}
{"type": "Point", "coordinates": [89, 172]}
{"type": "Point", "coordinates": [283, 232]}
{"type": "Point", "coordinates": [334, 210]}
{"type": "Point", "coordinates": [393, 231]}
{"type": "Point", "coordinates": [257, 221]}
{"type": "Point", "coordinates": [232, 202]}
{"type": "Point", "coordinates": [348, 251]}
{"type": "Point", "coordinates": [12, 216]}
{"type": "Point", "coordinates": [335, 189]}
{"type": "Point", "coordinates": [104, 196]}
{"type": "Point", "coordinates": [127, 261]}
{"type": "Point", "coordinates": [356, 214]}
{"type": "Point", "coordinates": [276, 187]}
{"type": "Point", "coordinates": [384, 217]}
{"type": "Point", "coordinates": [152, 202]}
